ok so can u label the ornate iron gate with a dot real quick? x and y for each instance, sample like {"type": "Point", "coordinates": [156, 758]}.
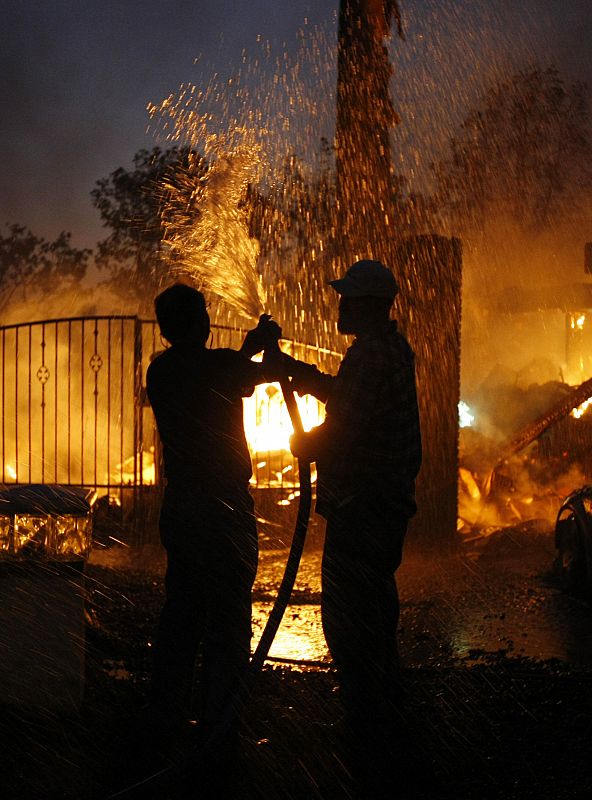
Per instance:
{"type": "Point", "coordinates": [73, 409]}
{"type": "Point", "coordinates": [72, 403]}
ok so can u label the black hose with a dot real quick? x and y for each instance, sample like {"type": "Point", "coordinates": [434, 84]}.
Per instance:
{"type": "Point", "coordinates": [297, 546]}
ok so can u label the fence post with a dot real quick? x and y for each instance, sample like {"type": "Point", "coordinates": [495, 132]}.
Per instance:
{"type": "Point", "coordinates": [138, 431]}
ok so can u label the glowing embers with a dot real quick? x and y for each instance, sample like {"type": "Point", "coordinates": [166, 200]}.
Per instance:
{"type": "Point", "coordinates": [138, 470]}
{"type": "Point", "coordinates": [578, 344]}
{"type": "Point", "coordinates": [37, 535]}
{"type": "Point", "coordinates": [577, 321]}
{"type": "Point", "coordinates": [268, 430]}
{"type": "Point", "coordinates": [581, 409]}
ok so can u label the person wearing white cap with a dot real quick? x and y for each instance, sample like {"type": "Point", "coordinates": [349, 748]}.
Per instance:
{"type": "Point", "coordinates": [368, 454]}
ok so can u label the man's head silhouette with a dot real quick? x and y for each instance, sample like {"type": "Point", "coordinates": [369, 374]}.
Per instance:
{"type": "Point", "coordinates": [366, 294]}
{"type": "Point", "coordinates": [182, 315]}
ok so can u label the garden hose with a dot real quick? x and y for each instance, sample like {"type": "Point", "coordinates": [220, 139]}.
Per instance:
{"type": "Point", "coordinates": [298, 539]}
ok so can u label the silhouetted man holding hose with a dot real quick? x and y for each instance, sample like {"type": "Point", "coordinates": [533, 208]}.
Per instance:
{"type": "Point", "coordinates": [207, 523]}
{"type": "Point", "coordinates": [368, 453]}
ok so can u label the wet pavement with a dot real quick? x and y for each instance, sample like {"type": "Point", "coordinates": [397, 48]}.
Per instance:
{"type": "Point", "coordinates": [496, 598]}
{"type": "Point", "coordinates": [498, 666]}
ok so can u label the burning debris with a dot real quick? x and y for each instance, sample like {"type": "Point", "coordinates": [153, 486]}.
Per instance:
{"type": "Point", "coordinates": [523, 452]}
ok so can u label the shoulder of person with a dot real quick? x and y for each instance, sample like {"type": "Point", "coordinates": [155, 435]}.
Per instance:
{"type": "Point", "coordinates": [399, 343]}
{"type": "Point", "coordinates": [172, 362]}
{"type": "Point", "coordinates": [368, 349]}
{"type": "Point", "coordinates": [162, 374]}
{"type": "Point", "coordinates": [232, 367]}
{"type": "Point", "coordinates": [381, 352]}
{"type": "Point", "coordinates": [159, 362]}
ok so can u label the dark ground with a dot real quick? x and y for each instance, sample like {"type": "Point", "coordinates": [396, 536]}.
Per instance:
{"type": "Point", "coordinates": [498, 665]}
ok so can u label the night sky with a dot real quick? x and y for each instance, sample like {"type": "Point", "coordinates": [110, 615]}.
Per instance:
{"type": "Point", "coordinates": [76, 76]}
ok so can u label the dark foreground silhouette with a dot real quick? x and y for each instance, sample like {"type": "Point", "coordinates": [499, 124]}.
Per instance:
{"type": "Point", "coordinates": [488, 722]}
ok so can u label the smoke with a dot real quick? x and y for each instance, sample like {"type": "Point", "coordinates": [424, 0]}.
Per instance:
{"type": "Point", "coordinates": [518, 289]}
{"type": "Point", "coordinates": [90, 298]}
{"type": "Point", "coordinates": [453, 53]}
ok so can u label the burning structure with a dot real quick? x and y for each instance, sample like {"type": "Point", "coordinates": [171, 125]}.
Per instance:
{"type": "Point", "coordinates": [528, 442]}
{"type": "Point", "coordinates": [73, 406]}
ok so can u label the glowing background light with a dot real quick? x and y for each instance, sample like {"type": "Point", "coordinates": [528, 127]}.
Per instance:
{"type": "Point", "coordinates": [267, 423]}
{"type": "Point", "coordinates": [581, 409]}
{"type": "Point", "coordinates": [465, 417]}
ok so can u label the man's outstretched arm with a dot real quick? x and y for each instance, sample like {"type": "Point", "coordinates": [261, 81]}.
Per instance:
{"type": "Point", "coordinates": [308, 379]}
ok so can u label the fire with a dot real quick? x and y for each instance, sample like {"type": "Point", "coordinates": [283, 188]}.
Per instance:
{"type": "Point", "coordinates": [470, 483]}
{"type": "Point", "coordinates": [581, 409]}
{"type": "Point", "coordinates": [577, 323]}
{"type": "Point", "coordinates": [267, 423]}
{"type": "Point", "coordinates": [126, 472]}
{"type": "Point", "coordinates": [10, 471]}
{"type": "Point", "coordinates": [268, 429]}
{"type": "Point", "coordinates": [465, 417]}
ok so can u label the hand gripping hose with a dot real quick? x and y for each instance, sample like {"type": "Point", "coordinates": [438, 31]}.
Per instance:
{"type": "Point", "coordinates": [201, 751]}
